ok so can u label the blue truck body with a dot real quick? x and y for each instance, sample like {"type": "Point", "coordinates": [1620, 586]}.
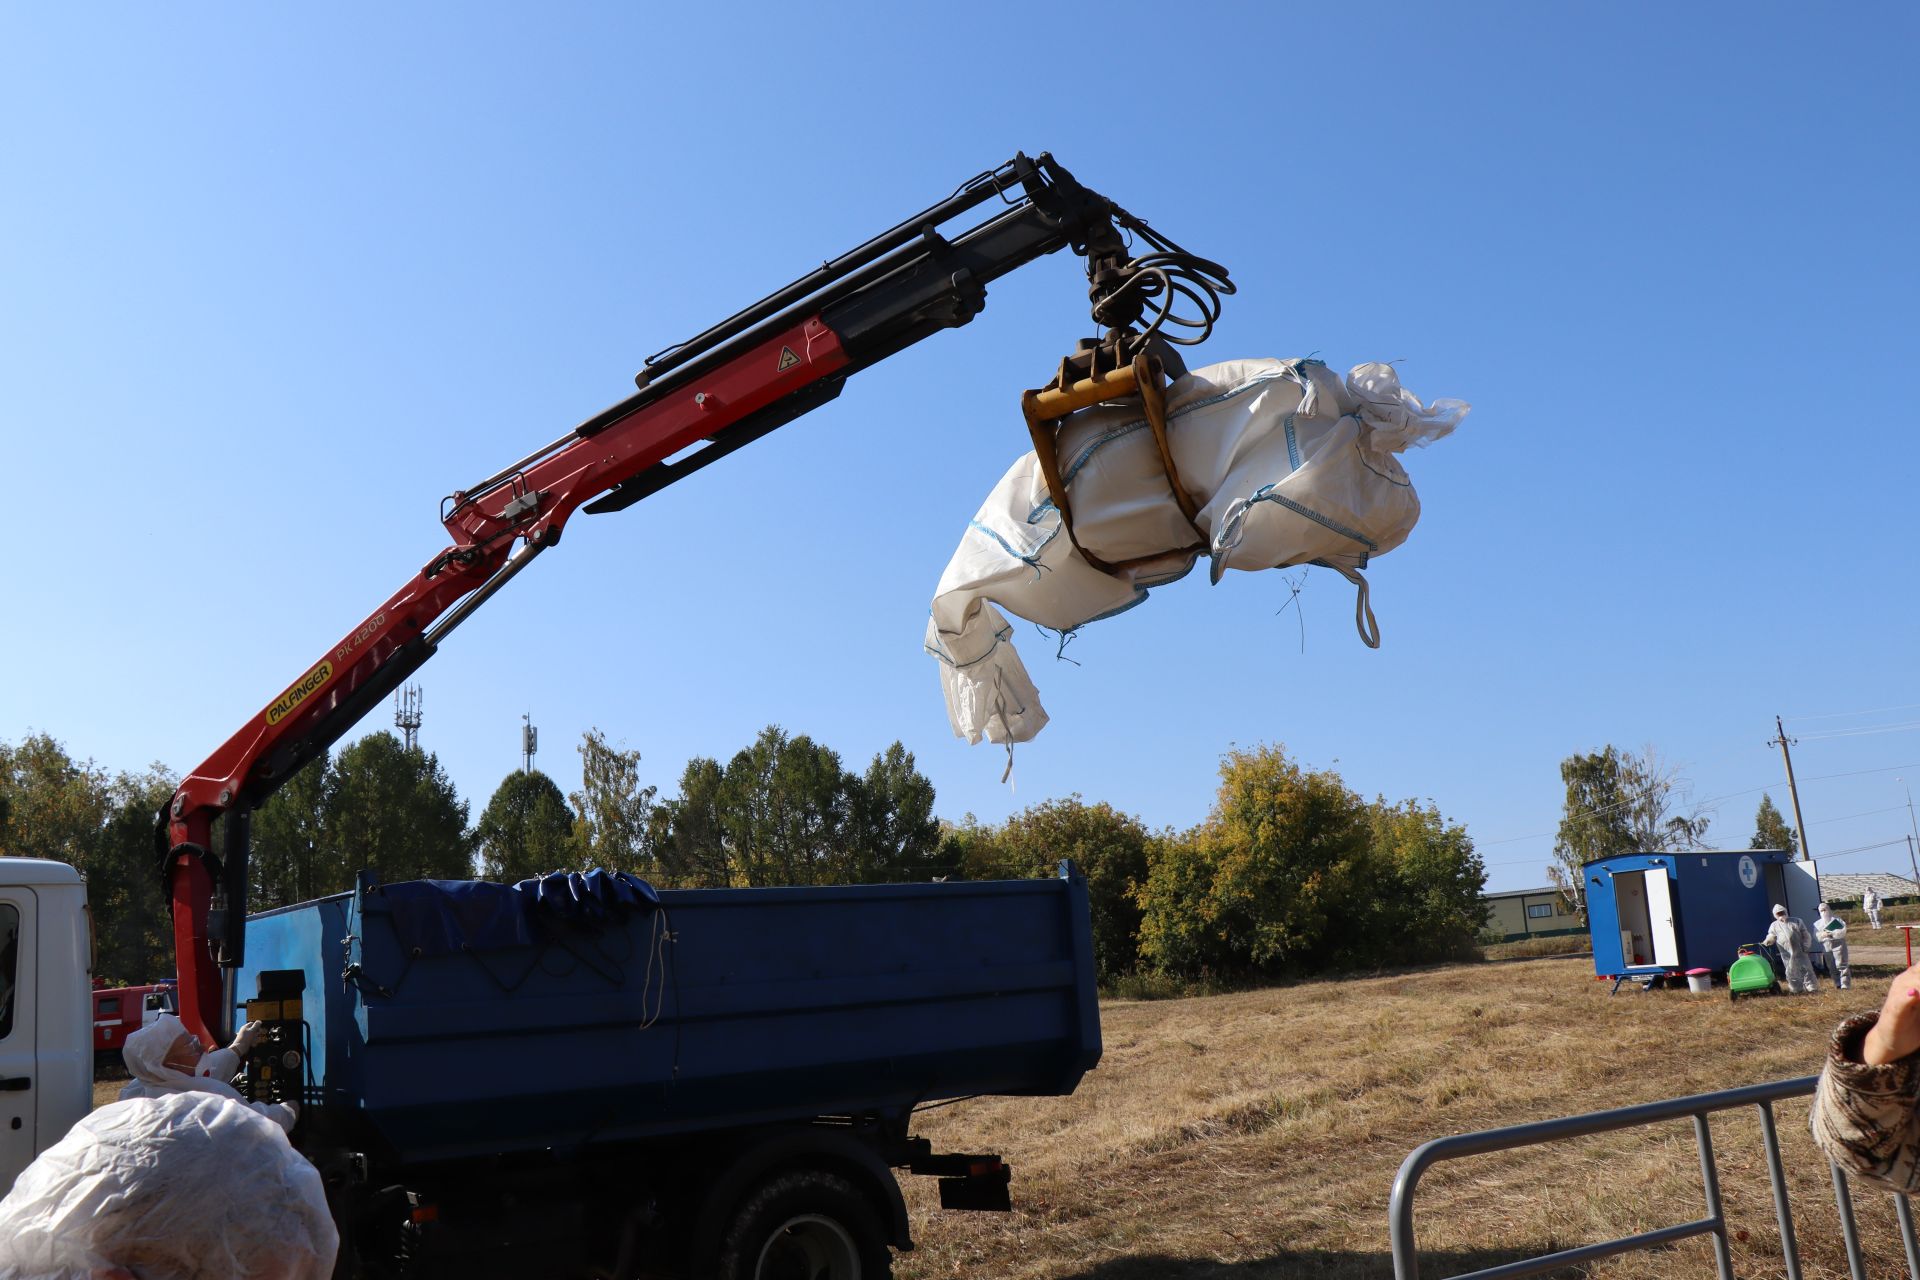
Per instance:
{"type": "Point", "coordinates": [441, 1029]}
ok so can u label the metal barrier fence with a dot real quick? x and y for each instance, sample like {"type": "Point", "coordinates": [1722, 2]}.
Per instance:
{"type": "Point", "coordinates": [1406, 1258]}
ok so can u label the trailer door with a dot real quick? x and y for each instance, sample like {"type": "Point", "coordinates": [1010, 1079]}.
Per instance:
{"type": "Point", "coordinates": [1666, 940]}
{"type": "Point", "coordinates": [1803, 890]}
{"type": "Point", "coordinates": [17, 1068]}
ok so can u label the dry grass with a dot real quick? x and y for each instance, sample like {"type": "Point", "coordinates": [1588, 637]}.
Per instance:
{"type": "Point", "coordinates": [1566, 944]}
{"type": "Point", "coordinates": [1858, 934]}
{"type": "Point", "coordinates": [1257, 1135]}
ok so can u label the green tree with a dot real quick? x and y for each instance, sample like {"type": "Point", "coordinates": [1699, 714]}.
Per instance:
{"type": "Point", "coordinates": [784, 811]}
{"type": "Point", "coordinates": [526, 830]}
{"type": "Point", "coordinates": [133, 925]}
{"type": "Point", "coordinates": [1618, 803]}
{"type": "Point", "coordinates": [1258, 888]}
{"type": "Point", "coordinates": [55, 805]}
{"type": "Point", "coordinates": [1770, 829]}
{"type": "Point", "coordinates": [614, 822]}
{"type": "Point", "coordinates": [892, 832]}
{"type": "Point", "coordinates": [1109, 847]}
{"type": "Point", "coordinates": [778, 812]}
{"type": "Point", "coordinates": [390, 809]}
{"type": "Point", "coordinates": [692, 852]}
{"type": "Point", "coordinates": [71, 811]}
{"type": "Point", "coordinates": [292, 859]}
{"type": "Point", "coordinates": [1425, 902]}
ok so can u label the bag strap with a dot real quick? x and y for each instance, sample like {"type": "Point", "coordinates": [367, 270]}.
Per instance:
{"type": "Point", "coordinates": [1363, 619]}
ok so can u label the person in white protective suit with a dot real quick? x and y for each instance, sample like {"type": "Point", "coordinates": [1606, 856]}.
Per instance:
{"type": "Point", "coordinates": [1791, 936]}
{"type": "Point", "coordinates": [164, 1057]}
{"type": "Point", "coordinates": [1830, 932]}
{"type": "Point", "coordinates": [186, 1186]}
{"type": "Point", "coordinates": [1871, 904]}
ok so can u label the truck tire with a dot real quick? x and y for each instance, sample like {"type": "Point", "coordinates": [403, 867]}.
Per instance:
{"type": "Point", "coordinates": [805, 1225]}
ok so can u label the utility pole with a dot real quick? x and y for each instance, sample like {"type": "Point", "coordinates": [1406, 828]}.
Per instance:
{"type": "Point", "coordinates": [1781, 742]}
{"type": "Point", "coordinates": [529, 742]}
{"type": "Point", "coordinates": [1915, 837]}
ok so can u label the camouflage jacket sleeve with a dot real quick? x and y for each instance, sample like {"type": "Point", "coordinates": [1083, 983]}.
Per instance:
{"type": "Point", "coordinates": [1867, 1118]}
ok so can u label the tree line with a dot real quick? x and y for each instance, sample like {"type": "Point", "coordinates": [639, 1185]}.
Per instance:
{"type": "Point", "coordinates": [1290, 873]}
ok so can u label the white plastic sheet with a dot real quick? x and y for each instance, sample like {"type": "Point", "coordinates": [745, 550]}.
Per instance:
{"type": "Point", "coordinates": [190, 1186]}
{"type": "Point", "coordinates": [1289, 464]}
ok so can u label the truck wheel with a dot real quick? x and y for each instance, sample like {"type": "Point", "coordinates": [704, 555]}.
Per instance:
{"type": "Point", "coordinates": [807, 1225]}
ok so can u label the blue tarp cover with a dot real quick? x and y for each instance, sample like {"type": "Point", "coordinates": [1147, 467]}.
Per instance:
{"type": "Point", "coordinates": [447, 917]}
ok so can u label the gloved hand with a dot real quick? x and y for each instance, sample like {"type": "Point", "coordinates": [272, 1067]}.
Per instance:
{"type": "Point", "coordinates": [248, 1037]}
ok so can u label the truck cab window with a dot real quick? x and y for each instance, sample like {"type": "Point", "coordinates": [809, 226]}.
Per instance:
{"type": "Point", "coordinates": [9, 963]}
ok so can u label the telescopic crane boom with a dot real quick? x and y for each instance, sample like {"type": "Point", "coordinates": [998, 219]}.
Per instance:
{"type": "Point", "coordinates": [783, 356]}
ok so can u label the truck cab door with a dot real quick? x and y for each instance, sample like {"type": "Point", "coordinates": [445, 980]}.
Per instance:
{"type": "Point", "coordinates": [18, 913]}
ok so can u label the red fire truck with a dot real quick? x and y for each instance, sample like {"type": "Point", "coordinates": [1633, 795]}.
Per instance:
{"type": "Point", "coordinates": [118, 1012]}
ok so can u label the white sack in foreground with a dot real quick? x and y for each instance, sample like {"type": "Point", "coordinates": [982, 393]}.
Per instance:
{"type": "Point", "coordinates": [191, 1186]}
{"type": "Point", "coordinates": [1288, 463]}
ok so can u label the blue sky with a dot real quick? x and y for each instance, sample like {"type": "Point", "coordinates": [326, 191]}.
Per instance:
{"type": "Point", "coordinates": [273, 281]}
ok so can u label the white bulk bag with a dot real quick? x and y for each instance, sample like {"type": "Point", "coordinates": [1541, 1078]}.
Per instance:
{"type": "Point", "coordinates": [189, 1186]}
{"type": "Point", "coordinates": [1287, 463]}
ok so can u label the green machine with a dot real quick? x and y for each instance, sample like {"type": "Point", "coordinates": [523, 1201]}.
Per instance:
{"type": "Point", "coordinates": [1751, 973]}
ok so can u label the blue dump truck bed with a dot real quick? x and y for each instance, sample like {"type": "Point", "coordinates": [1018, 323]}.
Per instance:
{"type": "Point", "coordinates": [455, 1019]}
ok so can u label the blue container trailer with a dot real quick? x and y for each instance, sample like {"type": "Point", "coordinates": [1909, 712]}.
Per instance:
{"type": "Point", "coordinates": [498, 1082]}
{"type": "Point", "coordinates": [1660, 914]}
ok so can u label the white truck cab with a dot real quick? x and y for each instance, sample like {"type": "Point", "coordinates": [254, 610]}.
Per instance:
{"type": "Point", "coordinates": [46, 1008]}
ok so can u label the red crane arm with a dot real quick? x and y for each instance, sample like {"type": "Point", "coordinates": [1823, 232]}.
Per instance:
{"type": "Point", "coordinates": [530, 505]}
{"type": "Point", "coordinates": [785, 355]}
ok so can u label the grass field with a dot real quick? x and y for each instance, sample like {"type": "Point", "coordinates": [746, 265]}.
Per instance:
{"type": "Point", "coordinates": [1256, 1136]}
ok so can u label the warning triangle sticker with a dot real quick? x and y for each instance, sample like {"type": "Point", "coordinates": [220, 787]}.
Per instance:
{"type": "Point", "coordinates": [787, 359]}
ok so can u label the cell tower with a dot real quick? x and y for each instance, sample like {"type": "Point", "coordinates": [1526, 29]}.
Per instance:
{"type": "Point", "coordinates": [529, 742]}
{"type": "Point", "coordinates": [406, 714]}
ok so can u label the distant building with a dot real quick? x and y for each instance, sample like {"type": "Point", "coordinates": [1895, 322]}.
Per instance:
{"type": "Point", "coordinates": [1529, 913]}
{"type": "Point", "coordinates": [1841, 886]}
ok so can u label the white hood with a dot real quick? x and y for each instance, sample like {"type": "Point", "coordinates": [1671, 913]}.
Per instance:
{"type": "Point", "coordinates": [146, 1053]}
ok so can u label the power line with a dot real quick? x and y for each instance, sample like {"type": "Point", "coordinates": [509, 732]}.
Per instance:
{"type": "Point", "coordinates": [1864, 848]}
{"type": "Point", "coordinates": [1906, 726]}
{"type": "Point", "coordinates": [1868, 814]}
{"type": "Point", "coordinates": [1825, 857]}
{"type": "Point", "coordinates": [1843, 715]}
{"type": "Point", "coordinates": [1708, 803]}
{"type": "Point", "coordinates": [1861, 773]}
